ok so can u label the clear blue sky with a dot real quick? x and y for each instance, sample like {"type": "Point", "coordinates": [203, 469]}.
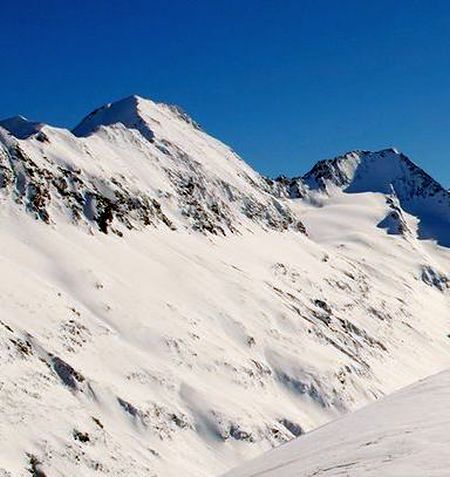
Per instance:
{"type": "Point", "coordinates": [284, 82]}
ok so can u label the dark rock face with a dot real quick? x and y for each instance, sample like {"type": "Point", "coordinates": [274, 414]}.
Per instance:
{"type": "Point", "coordinates": [328, 171]}
{"type": "Point", "coordinates": [82, 437]}
{"type": "Point", "coordinates": [292, 188]}
{"type": "Point", "coordinates": [395, 222]}
{"type": "Point", "coordinates": [68, 375]}
{"type": "Point", "coordinates": [435, 278]}
{"type": "Point", "coordinates": [295, 429]}
{"type": "Point", "coordinates": [239, 434]}
{"type": "Point", "coordinates": [128, 407]}
{"type": "Point", "coordinates": [35, 467]}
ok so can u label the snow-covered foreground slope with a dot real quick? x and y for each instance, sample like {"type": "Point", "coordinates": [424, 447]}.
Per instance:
{"type": "Point", "coordinates": [405, 434]}
{"type": "Point", "coordinates": [167, 311]}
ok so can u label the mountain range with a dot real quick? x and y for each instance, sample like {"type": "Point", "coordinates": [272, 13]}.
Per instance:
{"type": "Point", "coordinates": [169, 311]}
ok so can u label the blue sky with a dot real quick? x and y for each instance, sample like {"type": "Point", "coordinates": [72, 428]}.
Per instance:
{"type": "Point", "coordinates": [284, 82]}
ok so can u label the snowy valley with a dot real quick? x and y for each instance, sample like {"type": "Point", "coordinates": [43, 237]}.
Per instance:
{"type": "Point", "coordinates": [167, 311]}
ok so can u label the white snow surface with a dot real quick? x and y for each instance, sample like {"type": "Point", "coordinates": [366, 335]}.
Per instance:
{"type": "Point", "coordinates": [404, 434]}
{"type": "Point", "coordinates": [164, 313]}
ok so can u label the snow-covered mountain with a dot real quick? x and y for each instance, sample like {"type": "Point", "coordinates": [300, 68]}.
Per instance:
{"type": "Point", "coordinates": [388, 172]}
{"type": "Point", "coordinates": [401, 435]}
{"type": "Point", "coordinates": [134, 163]}
{"type": "Point", "coordinates": [168, 311]}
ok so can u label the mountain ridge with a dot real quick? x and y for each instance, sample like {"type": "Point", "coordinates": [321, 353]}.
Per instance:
{"type": "Point", "coordinates": [133, 112]}
{"type": "Point", "coordinates": [387, 171]}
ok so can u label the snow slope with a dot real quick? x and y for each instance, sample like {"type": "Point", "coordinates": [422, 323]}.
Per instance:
{"type": "Point", "coordinates": [405, 434]}
{"type": "Point", "coordinates": [168, 311]}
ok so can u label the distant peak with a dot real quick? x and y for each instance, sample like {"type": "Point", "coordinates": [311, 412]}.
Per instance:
{"type": "Point", "coordinates": [364, 171]}
{"type": "Point", "coordinates": [20, 127]}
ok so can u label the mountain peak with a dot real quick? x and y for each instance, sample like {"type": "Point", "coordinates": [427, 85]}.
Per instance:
{"type": "Point", "coordinates": [366, 171]}
{"type": "Point", "coordinates": [125, 111]}
{"type": "Point", "coordinates": [387, 172]}
{"type": "Point", "coordinates": [134, 112]}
